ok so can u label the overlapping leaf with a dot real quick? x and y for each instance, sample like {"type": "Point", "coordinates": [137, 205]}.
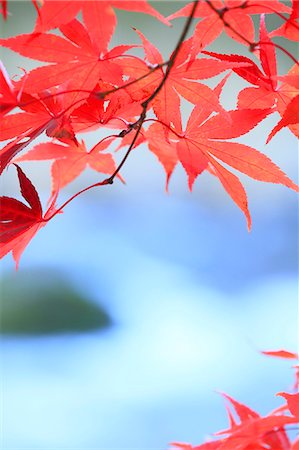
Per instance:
{"type": "Point", "coordinates": [115, 111]}
{"type": "Point", "coordinates": [98, 16]}
{"type": "Point", "coordinates": [231, 16]}
{"type": "Point", "coordinates": [84, 85]}
{"type": "Point", "coordinates": [71, 159]}
{"type": "Point", "coordinates": [19, 222]}
{"type": "Point", "coordinates": [288, 91]}
{"type": "Point", "coordinates": [48, 113]}
{"type": "Point", "coordinates": [9, 97]}
{"type": "Point", "coordinates": [202, 145]}
{"type": "Point", "coordinates": [290, 117]}
{"type": "Point", "coordinates": [182, 80]}
{"type": "Point", "coordinates": [75, 58]}
{"type": "Point", "coordinates": [266, 92]}
{"type": "Point", "coordinates": [290, 28]}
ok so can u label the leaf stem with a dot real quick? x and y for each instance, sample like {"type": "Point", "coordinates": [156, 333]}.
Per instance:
{"type": "Point", "coordinates": [101, 183]}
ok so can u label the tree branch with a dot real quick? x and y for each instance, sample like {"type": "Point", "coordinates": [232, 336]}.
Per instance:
{"type": "Point", "coordinates": [138, 124]}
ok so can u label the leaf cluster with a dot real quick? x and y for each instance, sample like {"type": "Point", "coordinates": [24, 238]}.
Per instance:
{"type": "Point", "coordinates": [248, 430]}
{"type": "Point", "coordinates": [83, 85]}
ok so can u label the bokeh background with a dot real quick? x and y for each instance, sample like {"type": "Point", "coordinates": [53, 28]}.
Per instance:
{"type": "Point", "coordinates": [131, 311]}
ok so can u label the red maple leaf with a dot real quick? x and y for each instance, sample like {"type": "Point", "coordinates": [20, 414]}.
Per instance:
{"type": "Point", "coordinates": [254, 431]}
{"type": "Point", "coordinates": [243, 412]}
{"type": "Point", "coordinates": [75, 57]}
{"type": "Point", "coordinates": [19, 222]}
{"type": "Point", "coordinates": [48, 113]}
{"type": "Point", "coordinates": [165, 151]}
{"type": "Point", "coordinates": [280, 354]}
{"type": "Point", "coordinates": [114, 111]}
{"type": "Point", "coordinates": [290, 28]}
{"type": "Point", "coordinates": [233, 17]}
{"type": "Point", "coordinates": [9, 95]}
{"type": "Point", "coordinates": [98, 16]}
{"type": "Point", "coordinates": [182, 80]}
{"type": "Point", "coordinates": [71, 159]}
{"type": "Point", "coordinates": [201, 145]}
{"type": "Point", "coordinates": [288, 91]}
{"type": "Point", "coordinates": [267, 92]}
{"type": "Point", "coordinates": [292, 402]}
{"type": "Point", "coordinates": [65, 96]}
{"type": "Point", "coordinates": [289, 117]}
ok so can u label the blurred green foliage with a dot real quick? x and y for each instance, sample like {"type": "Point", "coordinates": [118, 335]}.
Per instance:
{"type": "Point", "coordinates": [44, 302]}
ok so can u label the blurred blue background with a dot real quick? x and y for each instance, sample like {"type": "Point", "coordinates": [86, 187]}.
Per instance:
{"type": "Point", "coordinates": [184, 297]}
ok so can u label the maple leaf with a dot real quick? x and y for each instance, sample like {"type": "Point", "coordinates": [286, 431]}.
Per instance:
{"type": "Point", "coordinates": [288, 91]}
{"type": "Point", "coordinates": [280, 354]}
{"type": "Point", "coordinates": [79, 64]}
{"type": "Point", "coordinates": [254, 431]}
{"type": "Point", "coordinates": [114, 111]}
{"type": "Point", "coordinates": [182, 80]}
{"type": "Point", "coordinates": [76, 58]}
{"type": "Point", "coordinates": [244, 412]}
{"type": "Point", "coordinates": [98, 16]}
{"type": "Point", "coordinates": [290, 28]}
{"type": "Point", "coordinates": [201, 146]}
{"type": "Point", "coordinates": [47, 109]}
{"type": "Point", "coordinates": [164, 150]}
{"type": "Point", "coordinates": [47, 113]}
{"type": "Point", "coordinates": [9, 96]}
{"type": "Point", "coordinates": [266, 92]}
{"type": "Point", "coordinates": [231, 16]}
{"type": "Point", "coordinates": [71, 159]}
{"type": "Point", "coordinates": [292, 402]}
{"type": "Point", "coordinates": [19, 222]}
{"type": "Point", "coordinates": [10, 150]}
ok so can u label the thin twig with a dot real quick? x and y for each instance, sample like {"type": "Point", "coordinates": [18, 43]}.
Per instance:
{"type": "Point", "coordinates": [101, 183]}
